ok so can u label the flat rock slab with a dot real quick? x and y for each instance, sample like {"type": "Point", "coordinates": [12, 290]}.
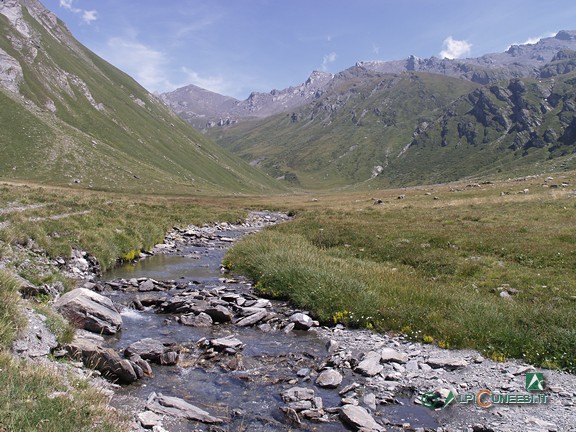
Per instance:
{"type": "Point", "coordinates": [226, 342]}
{"type": "Point", "coordinates": [359, 418]}
{"type": "Point", "coordinates": [391, 355]}
{"type": "Point", "coordinates": [252, 319]}
{"type": "Point", "coordinates": [176, 407]}
{"type": "Point", "coordinates": [90, 311]}
{"type": "Point", "coordinates": [449, 363]}
{"type": "Point", "coordinates": [370, 364]}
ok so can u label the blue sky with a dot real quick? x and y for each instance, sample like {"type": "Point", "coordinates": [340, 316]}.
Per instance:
{"type": "Point", "coordinates": [234, 47]}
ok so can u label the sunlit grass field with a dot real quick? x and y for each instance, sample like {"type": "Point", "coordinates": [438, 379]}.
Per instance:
{"type": "Point", "coordinates": [490, 267]}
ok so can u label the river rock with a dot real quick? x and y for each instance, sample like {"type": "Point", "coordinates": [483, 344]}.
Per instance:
{"type": "Point", "coordinates": [147, 285]}
{"type": "Point", "coordinates": [301, 321]}
{"type": "Point", "coordinates": [358, 418]}
{"type": "Point", "coordinates": [105, 360]}
{"type": "Point", "coordinates": [252, 319]}
{"type": "Point", "coordinates": [370, 364]}
{"type": "Point", "coordinates": [222, 344]}
{"type": "Point", "coordinates": [200, 320]}
{"type": "Point", "coordinates": [89, 310]}
{"type": "Point", "coordinates": [176, 407]}
{"type": "Point", "coordinates": [294, 394]}
{"type": "Point", "coordinates": [391, 355]}
{"type": "Point", "coordinates": [153, 350]}
{"type": "Point", "coordinates": [149, 419]}
{"type": "Point", "coordinates": [219, 314]}
{"type": "Point", "coordinates": [329, 378]}
{"type": "Point", "coordinates": [139, 363]}
{"type": "Point", "coordinates": [449, 363]}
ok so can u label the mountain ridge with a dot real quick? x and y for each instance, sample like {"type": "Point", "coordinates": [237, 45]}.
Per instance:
{"type": "Point", "coordinates": [518, 61]}
{"type": "Point", "coordinates": [373, 127]}
{"type": "Point", "coordinates": [71, 118]}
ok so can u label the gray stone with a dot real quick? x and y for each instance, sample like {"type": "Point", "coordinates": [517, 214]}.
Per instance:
{"type": "Point", "coordinates": [36, 340]}
{"type": "Point", "coordinates": [370, 364]}
{"type": "Point", "coordinates": [147, 285]}
{"type": "Point", "coordinates": [252, 319]}
{"type": "Point", "coordinates": [221, 344]}
{"type": "Point", "coordinates": [301, 321]}
{"type": "Point", "coordinates": [105, 360]}
{"type": "Point", "coordinates": [200, 320]}
{"type": "Point", "coordinates": [391, 355]}
{"type": "Point", "coordinates": [142, 364]}
{"type": "Point", "coordinates": [153, 350]}
{"type": "Point", "coordinates": [369, 400]}
{"type": "Point", "coordinates": [329, 378]}
{"type": "Point", "coordinates": [149, 419]}
{"type": "Point", "coordinates": [90, 311]}
{"type": "Point", "coordinates": [177, 407]}
{"type": "Point", "coordinates": [357, 417]}
{"type": "Point", "coordinates": [219, 314]}
{"type": "Point", "coordinates": [297, 394]}
{"type": "Point", "coordinates": [449, 363]}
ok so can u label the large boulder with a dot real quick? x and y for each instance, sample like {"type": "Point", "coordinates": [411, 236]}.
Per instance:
{"type": "Point", "coordinates": [90, 311]}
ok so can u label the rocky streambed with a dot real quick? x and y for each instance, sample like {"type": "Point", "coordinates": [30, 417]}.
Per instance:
{"type": "Point", "coordinates": [192, 348]}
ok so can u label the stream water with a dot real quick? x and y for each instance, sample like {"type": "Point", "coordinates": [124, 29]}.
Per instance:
{"type": "Point", "coordinates": [247, 397]}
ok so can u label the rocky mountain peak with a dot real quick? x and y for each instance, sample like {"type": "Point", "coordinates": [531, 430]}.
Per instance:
{"type": "Point", "coordinates": [566, 35]}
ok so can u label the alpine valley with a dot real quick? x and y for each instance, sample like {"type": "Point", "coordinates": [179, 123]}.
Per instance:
{"type": "Point", "coordinates": [405, 122]}
{"type": "Point", "coordinates": [70, 118]}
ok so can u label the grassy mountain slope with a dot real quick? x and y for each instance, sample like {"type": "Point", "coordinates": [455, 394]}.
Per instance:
{"type": "Point", "coordinates": [375, 130]}
{"type": "Point", "coordinates": [517, 125]}
{"type": "Point", "coordinates": [77, 120]}
{"type": "Point", "coordinates": [354, 131]}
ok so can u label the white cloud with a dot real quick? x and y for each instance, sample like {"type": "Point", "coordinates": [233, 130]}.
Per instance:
{"type": "Point", "coordinates": [375, 49]}
{"type": "Point", "coordinates": [328, 58]}
{"type": "Point", "coordinates": [88, 16]}
{"type": "Point", "coordinates": [533, 40]}
{"type": "Point", "coordinates": [145, 64]}
{"type": "Point", "coordinates": [453, 48]}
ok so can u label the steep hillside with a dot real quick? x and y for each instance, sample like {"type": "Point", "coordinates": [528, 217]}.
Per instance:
{"type": "Point", "coordinates": [352, 133]}
{"type": "Point", "coordinates": [70, 118]}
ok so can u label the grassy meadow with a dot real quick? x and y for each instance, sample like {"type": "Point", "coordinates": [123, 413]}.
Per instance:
{"type": "Point", "coordinates": [433, 265]}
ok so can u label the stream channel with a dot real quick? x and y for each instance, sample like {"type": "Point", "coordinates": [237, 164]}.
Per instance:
{"type": "Point", "coordinates": [243, 389]}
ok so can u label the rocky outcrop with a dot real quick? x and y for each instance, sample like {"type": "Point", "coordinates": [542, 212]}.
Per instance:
{"type": "Point", "coordinates": [11, 74]}
{"type": "Point", "coordinates": [89, 310]}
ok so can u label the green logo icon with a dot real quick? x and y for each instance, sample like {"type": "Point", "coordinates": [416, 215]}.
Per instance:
{"type": "Point", "coordinates": [534, 381]}
{"type": "Point", "coordinates": [437, 399]}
